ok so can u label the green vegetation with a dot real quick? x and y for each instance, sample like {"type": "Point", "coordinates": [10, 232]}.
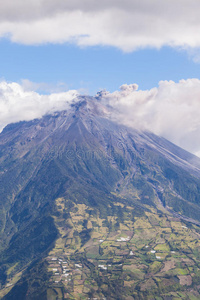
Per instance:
{"type": "Point", "coordinates": [138, 260]}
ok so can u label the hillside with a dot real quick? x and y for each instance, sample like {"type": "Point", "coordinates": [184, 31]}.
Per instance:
{"type": "Point", "coordinates": [94, 209]}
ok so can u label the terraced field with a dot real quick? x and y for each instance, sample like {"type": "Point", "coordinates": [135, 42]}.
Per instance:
{"type": "Point", "coordinates": [132, 253]}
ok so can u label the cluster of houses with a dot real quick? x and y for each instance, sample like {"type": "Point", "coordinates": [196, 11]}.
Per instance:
{"type": "Point", "coordinates": [61, 269]}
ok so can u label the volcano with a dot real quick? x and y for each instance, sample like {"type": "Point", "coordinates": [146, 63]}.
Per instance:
{"type": "Point", "coordinates": [92, 209]}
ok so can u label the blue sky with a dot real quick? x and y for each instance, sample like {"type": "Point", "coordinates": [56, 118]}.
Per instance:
{"type": "Point", "coordinates": [53, 50]}
{"type": "Point", "coordinates": [93, 68]}
{"type": "Point", "coordinates": [91, 45]}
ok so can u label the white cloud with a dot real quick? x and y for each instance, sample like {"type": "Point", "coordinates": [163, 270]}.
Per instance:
{"type": "Point", "coordinates": [128, 24]}
{"type": "Point", "coordinates": [171, 110]}
{"type": "Point", "coordinates": [17, 104]}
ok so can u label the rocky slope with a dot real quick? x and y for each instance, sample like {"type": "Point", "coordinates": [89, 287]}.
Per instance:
{"type": "Point", "coordinates": [75, 178]}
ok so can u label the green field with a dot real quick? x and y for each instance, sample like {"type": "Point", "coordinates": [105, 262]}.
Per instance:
{"type": "Point", "coordinates": [134, 259]}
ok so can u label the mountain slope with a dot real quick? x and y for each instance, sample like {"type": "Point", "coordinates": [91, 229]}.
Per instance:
{"type": "Point", "coordinates": [74, 177]}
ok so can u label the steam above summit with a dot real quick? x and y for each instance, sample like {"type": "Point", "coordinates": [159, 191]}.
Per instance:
{"type": "Point", "coordinates": [171, 110]}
